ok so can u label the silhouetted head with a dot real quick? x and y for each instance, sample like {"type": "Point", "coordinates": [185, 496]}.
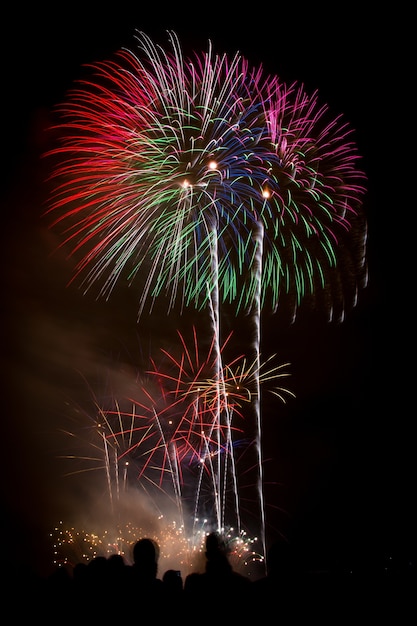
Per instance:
{"type": "Point", "coordinates": [115, 562]}
{"type": "Point", "coordinates": [215, 545]}
{"type": "Point", "coordinates": [146, 555]}
{"type": "Point", "coordinates": [173, 580]}
{"type": "Point", "coordinates": [216, 554]}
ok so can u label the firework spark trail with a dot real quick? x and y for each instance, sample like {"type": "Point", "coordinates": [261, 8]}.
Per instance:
{"type": "Point", "coordinates": [214, 310]}
{"type": "Point", "coordinates": [170, 451]}
{"type": "Point", "coordinates": [108, 471]}
{"type": "Point", "coordinates": [222, 408]}
{"type": "Point", "coordinates": [257, 342]}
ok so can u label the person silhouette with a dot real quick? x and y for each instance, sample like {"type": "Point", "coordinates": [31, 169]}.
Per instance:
{"type": "Point", "coordinates": [230, 591]}
{"type": "Point", "coordinates": [174, 587]}
{"type": "Point", "coordinates": [144, 581]}
{"type": "Point", "coordinates": [116, 572]}
{"type": "Point", "coordinates": [173, 580]}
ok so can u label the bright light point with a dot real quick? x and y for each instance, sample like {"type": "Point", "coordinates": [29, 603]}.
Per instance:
{"type": "Point", "coordinates": [212, 165]}
{"type": "Point", "coordinates": [266, 193]}
{"type": "Point", "coordinates": [186, 184]}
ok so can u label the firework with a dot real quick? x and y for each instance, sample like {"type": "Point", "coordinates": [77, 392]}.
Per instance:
{"type": "Point", "coordinates": [72, 544]}
{"type": "Point", "coordinates": [184, 432]}
{"type": "Point", "coordinates": [183, 170]}
{"type": "Point", "coordinates": [208, 183]}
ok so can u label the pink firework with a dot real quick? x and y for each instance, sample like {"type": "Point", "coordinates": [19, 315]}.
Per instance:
{"type": "Point", "coordinates": [190, 423]}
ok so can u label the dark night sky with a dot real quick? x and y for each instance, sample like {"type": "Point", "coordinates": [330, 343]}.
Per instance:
{"type": "Point", "coordinates": [343, 451]}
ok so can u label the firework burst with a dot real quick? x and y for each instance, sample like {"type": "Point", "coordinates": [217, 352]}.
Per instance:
{"type": "Point", "coordinates": [165, 159]}
{"type": "Point", "coordinates": [185, 431]}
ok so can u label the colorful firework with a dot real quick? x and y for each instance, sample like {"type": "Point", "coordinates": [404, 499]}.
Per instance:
{"type": "Point", "coordinates": [169, 165]}
{"type": "Point", "coordinates": [206, 182]}
{"type": "Point", "coordinates": [185, 431]}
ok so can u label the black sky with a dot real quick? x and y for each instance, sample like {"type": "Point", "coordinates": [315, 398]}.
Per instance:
{"type": "Point", "coordinates": [344, 450]}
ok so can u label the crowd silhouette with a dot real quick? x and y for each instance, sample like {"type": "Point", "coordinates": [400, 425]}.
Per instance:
{"type": "Point", "coordinates": [105, 589]}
